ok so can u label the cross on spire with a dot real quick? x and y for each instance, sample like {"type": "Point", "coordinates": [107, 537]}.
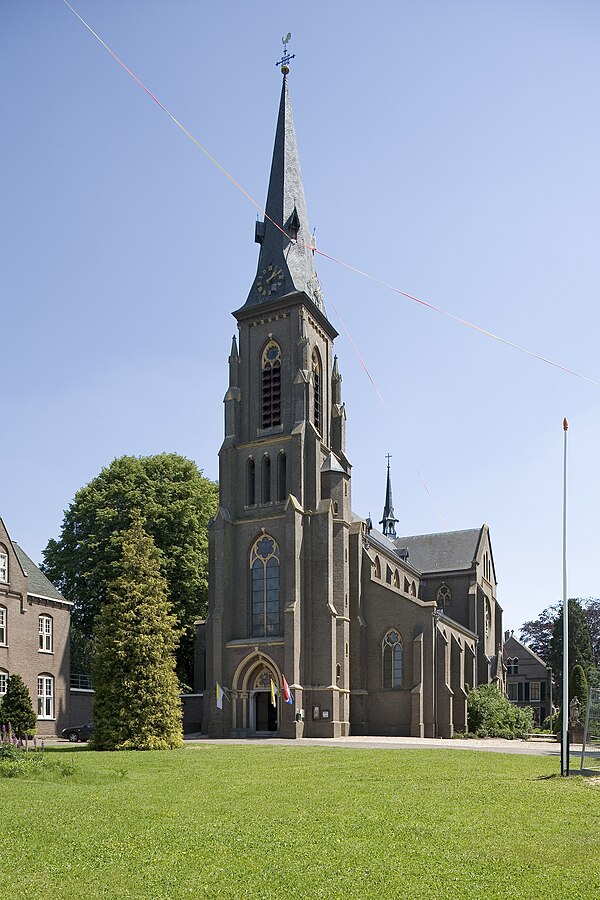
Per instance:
{"type": "Point", "coordinates": [285, 59]}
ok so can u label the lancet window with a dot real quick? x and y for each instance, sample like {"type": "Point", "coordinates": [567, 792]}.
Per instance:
{"type": "Point", "coordinates": [393, 660]}
{"type": "Point", "coordinates": [264, 581]}
{"type": "Point", "coordinates": [271, 385]}
{"type": "Point", "coordinates": [317, 392]}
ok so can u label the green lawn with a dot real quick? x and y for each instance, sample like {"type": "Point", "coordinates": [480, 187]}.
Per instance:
{"type": "Point", "coordinates": [255, 821]}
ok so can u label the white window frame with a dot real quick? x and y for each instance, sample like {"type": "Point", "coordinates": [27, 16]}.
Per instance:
{"type": "Point", "coordinates": [3, 626]}
{"type": "Point", "coordinates": [45, 634]}
{"type": "Point", "coordinates": [3, 567]}
{"type": "Point", "coordinates": [3, 682]}
{"type": "Point", "coordinates": [45, 697]}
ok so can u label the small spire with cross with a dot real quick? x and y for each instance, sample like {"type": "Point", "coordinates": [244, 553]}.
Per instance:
{"type": "Point", "coordinates": [389, 520]}
{"type": "Point", "coordinates": [285, 59]}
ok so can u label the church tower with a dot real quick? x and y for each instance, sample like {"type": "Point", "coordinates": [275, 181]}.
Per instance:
{"type": "Point", "coordinates": [278, 597]}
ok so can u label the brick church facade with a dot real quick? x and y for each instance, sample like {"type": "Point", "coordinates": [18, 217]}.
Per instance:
{"type": "Point", "coordinates": [374, 633]}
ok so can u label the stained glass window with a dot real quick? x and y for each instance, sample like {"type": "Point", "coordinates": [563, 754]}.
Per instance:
{"type": "Point", "coordinates": [264, 579]}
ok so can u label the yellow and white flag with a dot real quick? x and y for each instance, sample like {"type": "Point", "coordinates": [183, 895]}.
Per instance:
{"type": "Point", "coordinates": [220, 695]}
{"type": "Point", "coordinates": [273, 689]}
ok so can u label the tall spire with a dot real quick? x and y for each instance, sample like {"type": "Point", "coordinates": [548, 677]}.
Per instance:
{"type": "Point", "coordinates": [285, 264]}
{"type": "Point", "coordinates": [389, 520]}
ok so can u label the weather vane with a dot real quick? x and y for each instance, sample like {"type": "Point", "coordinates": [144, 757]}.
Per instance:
{"type": "Point", "coordinates": [283, 62]}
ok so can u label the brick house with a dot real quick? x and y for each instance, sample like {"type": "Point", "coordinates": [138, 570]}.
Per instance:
{"type": "Point", "coordinates": [34, 635]}
{"type": "Point", "coordinates": [528, 678]}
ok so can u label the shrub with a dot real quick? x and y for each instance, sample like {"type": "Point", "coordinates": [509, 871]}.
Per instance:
{"type": "Point", "coordinates": [490, 714]}
{"type": "Point", "coordinates": [17, 708]}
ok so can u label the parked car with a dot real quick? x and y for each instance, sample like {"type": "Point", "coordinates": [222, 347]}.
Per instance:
{"type": "Point", "coordinates": [76, 733]}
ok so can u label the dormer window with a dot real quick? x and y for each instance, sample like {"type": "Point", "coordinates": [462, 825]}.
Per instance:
{"type": "Point", "coordinates": [293, 225]}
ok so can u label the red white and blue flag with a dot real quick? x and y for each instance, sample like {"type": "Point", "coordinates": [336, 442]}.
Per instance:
{"type": "Point", "coordinates": [288, 697]}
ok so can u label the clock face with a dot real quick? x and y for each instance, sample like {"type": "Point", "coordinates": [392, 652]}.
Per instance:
{"type": "Point", "coordinates": [269, 280]}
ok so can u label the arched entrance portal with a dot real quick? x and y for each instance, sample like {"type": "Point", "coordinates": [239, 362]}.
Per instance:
{"type": "Point", "coordinates": [263, 715]}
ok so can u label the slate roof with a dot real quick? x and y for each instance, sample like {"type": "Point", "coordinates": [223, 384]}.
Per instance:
{"type": "Point", "coordinates": [447, 551]}
{"type": "Point", "coordinates": [37, 583]}
{"type": "Point", "coordinates": [284, 250]}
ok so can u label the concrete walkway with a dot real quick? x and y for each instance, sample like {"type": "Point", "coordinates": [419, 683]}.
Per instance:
{"type": "Point", "coordinates": [490, 745]}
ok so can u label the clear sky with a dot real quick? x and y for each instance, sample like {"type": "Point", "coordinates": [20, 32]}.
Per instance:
{"type": "Point", "coordinates": [450, 149]}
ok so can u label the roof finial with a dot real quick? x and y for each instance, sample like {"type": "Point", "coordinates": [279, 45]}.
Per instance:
{"type": "Point", "coordinates": [283, 62]}
{"type": "Point", "coordinates": [389, 519]}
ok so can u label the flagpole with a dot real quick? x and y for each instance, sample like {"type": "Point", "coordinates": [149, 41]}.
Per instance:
{"type": "Point", "coordinates": [565, 671]}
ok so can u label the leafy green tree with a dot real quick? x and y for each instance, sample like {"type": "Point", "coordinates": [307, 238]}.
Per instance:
{"type": "Point", "coordinates": [176, 502]}
{"type": "Point", "coordinates": [17, 707]}
{"type": "Point", "coordinates": [591, 607]}
{"type": "Point", "coordinates": [490, 714]}
{"type": "Point", "coordinates": [580, 645]}
{"type": "Point", "coordinates": [136, 702]}
{"type": "Point", "coordinates": [578, 685]}
{"type": "Point", "coordinates": [537, 633]}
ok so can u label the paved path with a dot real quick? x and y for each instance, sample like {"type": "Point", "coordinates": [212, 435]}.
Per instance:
{"type": "Point", "coordinates": [490, 745]}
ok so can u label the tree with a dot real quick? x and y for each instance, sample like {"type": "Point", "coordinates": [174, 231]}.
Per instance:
{"type": "Point", "coordinates": [176, 503]}
{"type": "Point", "coordinates": [490, 714]}
{"type": "Point", "coordinates": [591, 607]}
{"type": "Point", "coordinates": [578, 685]}
{"type": "Point", "coordinates": [17, 708]}
{"type": "Point", "coordinates": [136, 702]}
{"type": "Point", "coordinates": [580, 645]}
{"type": "Point", "coordinates": [537, 633]}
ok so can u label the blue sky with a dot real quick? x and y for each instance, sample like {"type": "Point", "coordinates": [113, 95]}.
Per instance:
{"type": "Point", "coordinates": [449, 149]}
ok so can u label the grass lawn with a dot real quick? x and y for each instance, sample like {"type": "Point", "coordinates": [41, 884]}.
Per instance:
{"type": "Point", "coordinates": [249, 821]}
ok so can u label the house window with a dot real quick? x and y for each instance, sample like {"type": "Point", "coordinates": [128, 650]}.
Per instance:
{"type": "Point", "coordinates": [281, 477]}
{"type": "Point", "coordinates": [317, 392]}
{"type": "Point", "coordinates": [444, 596]}
{"type": "Point", "coordinates": [534, 691]}
{"type": "Point", "coordinates": [512, 665]}
{"type": "Point", "coordinates": [264, 580]}
{"type": "Point", "coordinates": [3, 682]}
{"type": "Point", "coordinates": [45, 697]}
{"type": "Point", "coordinates": [266, 479]}
{"type": "Point", "coordinates": [393, 658]}
{"type": "Point", "coordinates": [45, 634]}
{"type": "Point", "coordinates": [271, 385]}
{"type": "Point", "coordinates": [3, 626]}
{"type": "Point", "coordinates": [250, 483]}
{"type": "Point", "coordinates": [511, 689]}
{"type": "Point", "coordinates": [3, 566]}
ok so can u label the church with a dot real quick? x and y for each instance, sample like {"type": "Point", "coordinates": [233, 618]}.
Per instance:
{"type": "Point", "coordinates": [320, 625]}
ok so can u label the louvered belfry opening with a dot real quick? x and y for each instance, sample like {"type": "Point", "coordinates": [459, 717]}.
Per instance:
{"type": "Point", "coordinates": [271, 385]}
{"type": "Point", "coordinates": [317, 392]}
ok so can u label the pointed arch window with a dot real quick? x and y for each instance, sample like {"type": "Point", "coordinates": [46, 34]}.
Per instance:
{"type": "Point", "coordinates": [271, 385]}
{"type": "Point", "coordinates": [266, 479]}
{"type": "Point", "coordinates": [317, 391]}
{"type": "Point", "coordinates": [377, 568]}
{"type": "Point", "coordinates": [264, 580]}
{"type": "Point", "coordinates": [444, 596]}
{"type": "Point", "coordinates": [250, 482]}
{"type": "Point", "coordinates": [281, 477]}
{"type": "Point", "coordinates": [393, 660]}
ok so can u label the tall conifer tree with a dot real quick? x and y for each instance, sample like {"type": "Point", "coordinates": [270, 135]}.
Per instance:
{"type": "Point", "coordinates": [17, 708]}
{"type": "Point", "coordinates": [137, 704]}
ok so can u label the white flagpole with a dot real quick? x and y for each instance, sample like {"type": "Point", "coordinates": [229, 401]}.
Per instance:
{"type": "Point", "coordinates": [565, 670]}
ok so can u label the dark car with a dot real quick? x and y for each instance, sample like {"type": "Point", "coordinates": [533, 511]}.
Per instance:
{"type": "Point", "coordinates": [76, 733]}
